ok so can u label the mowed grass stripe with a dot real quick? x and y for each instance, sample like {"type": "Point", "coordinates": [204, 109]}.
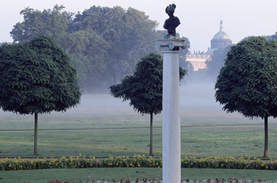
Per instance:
{"type": "Point", "coordinates": [198, 142]}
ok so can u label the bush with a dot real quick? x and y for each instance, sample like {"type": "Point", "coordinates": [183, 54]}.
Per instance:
{"type": "Point", "coordinates": [135, 161]}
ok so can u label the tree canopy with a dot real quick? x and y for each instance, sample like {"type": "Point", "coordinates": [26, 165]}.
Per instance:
{"type": "Point", "coordinates": [248, 81]}
{"type": "Point", "coordinates": [37, 77]}
{"type": "Point", "coordinates": [104, 43]}
{"type": "Point", "coordinates": [144, 88]}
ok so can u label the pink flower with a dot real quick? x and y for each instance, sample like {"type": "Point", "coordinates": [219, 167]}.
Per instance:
{"type": "Point", "coordinates": [137, 178]}
{"type": "Point", "coordinates": [87, 179]}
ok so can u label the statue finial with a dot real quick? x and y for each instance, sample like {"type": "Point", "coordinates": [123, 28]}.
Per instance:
{"type": "Point", "coordinates": [171, 23]}
{"type": "Point", "coordinates": [221, 25]}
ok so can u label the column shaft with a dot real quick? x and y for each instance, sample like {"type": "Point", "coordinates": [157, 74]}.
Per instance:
{"type": "Point", "coordinates": [171, 133]}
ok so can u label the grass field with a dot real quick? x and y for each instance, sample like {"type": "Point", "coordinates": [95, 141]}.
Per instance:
{"type": "Point", "coordinates": [103, 125]}
{"type": "Point", "coordinates": [39, 176]}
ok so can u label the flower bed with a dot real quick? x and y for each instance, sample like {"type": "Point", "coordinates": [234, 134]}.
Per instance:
{"type": "Point", "coordinates": [136, 161]}
{"type": "Point", "coordinates": [146, 180]}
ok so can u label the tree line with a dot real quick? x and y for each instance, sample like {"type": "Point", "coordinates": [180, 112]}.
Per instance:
{"type": "Point", "coordinates": [104, 43]}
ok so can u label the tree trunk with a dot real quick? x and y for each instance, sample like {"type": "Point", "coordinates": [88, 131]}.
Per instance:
{"type": "Point", "coordinates": [36, 134]}
{"type": "Point", "coordinates": [266, 136]}
{"type": "Point", "coordinates": [151, 125]}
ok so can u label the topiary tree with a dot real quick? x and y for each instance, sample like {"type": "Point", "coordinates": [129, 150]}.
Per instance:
{"type": "Point", "coordinates": [144, 88]}
{"type": "Point", "coordinates": [36, 77]}
{"type": "Point", "coordinates": [248, 81]}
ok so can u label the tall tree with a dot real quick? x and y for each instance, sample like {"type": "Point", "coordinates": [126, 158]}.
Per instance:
{"type": "Point", "coordinates": [104, 43]}
{"type": "Point", "coordinates": [49, 22]}
{"type": "Point", "coordinates": [248, 81]}
{"type": "Point", "coordinates": [37, 77]}
{"type": "Point", "coordinates": [87, 51]}
{"type": "Point", "coordinates": [144, 87]}
{"type": "Point", "coordinates": [86, 48]}
{"type": "Point", "coordinates": [129, 33]}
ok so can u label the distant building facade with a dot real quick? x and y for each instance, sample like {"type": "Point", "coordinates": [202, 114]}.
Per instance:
{"type": "Point", "coordinates": [197, 60]}
{"type": "Point", "coordinates": [220, 40]}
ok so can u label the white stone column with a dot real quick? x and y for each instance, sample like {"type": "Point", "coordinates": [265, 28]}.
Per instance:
{"type": "Point", "coordinates": [171, 133]}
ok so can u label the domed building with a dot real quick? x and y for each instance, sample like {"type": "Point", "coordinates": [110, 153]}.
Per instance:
{"type": "Point", "coordinates": [220, 40]}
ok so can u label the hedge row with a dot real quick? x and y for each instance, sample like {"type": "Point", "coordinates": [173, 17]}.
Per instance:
{"type": "Point", "coordinates": [136, 161]}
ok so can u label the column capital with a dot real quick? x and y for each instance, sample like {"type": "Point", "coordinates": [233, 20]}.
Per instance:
{"type": "Point", "coordinates": [170, 44]}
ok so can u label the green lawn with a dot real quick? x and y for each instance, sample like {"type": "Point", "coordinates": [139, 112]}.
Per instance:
{"type": "Point", "coordinates": [43, 176]}
{"type": "Point", "coordinates": [245, 141]}
{"type": "Point", "coordinates": [103, 125]}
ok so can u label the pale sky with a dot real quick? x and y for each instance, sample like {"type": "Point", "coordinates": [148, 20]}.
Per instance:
{"type": "Point", "coordinates": [200, 19]}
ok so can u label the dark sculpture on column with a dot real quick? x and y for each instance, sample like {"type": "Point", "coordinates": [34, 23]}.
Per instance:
{"type": "Point", "coordinates": [171, 23]}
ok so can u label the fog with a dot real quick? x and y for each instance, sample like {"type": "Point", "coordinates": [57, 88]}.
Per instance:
{"type": "Point", "coordinates": [197, 108]}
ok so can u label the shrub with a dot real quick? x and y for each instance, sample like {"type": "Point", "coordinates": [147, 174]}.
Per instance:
{"type": "Point", "coordinates": [135, 161]}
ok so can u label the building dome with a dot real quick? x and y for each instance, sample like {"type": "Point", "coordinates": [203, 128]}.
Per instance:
{"type": "Point", "coordinates": [221, 35]}
{"type": "Point", "coordinates": [220, 39]}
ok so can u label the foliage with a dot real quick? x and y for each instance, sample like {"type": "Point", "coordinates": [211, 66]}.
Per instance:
{"type": "Point", "coordinates": [104, 43]}
{"type": "Point", "coordinates": [247, 82]}
{"type": "Point", "coordinates": [129, 33]}
{"type": "Point", "coordinates": [51, 23]}
{"type": "Point", "coordinates": [144, 87]}
{"type": "Point", "coordinates": [37, 77]}
{"type": "Point", "coordinates": [135, 161]}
